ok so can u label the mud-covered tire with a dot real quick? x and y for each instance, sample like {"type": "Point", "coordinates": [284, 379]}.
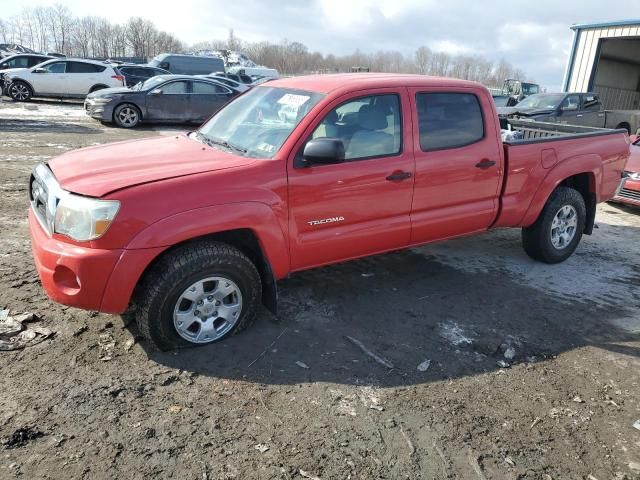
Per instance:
{"type": "Point", "coordinates": [20, 91]}
{"type": "Point", "coordinates": [537, 239]}
{"type": "Point", "coordinates": [164, 285]}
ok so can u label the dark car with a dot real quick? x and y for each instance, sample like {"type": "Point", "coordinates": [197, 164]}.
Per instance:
{"type": "Point", "coordinates": [188, 64]}
{"type": "Point", "coordinates": [21, 60]}
{"type": "Point", "coordinates": [236, 77]}
{"type": "Point", "coordinates": [134, 74]}
{"type": "Point", "coordinates": [583, 109]}
{"type": "Point", "coordinates": [165, 98]}
{"type": "Point", "coordinates": [229, 82]}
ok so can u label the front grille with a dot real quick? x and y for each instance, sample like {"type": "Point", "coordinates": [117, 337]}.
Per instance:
{"type": "Point", "coordinates": [630, 194]}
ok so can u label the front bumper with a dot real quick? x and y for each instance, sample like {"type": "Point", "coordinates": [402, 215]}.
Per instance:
{"type": "Point", "coordinates": [70, 274]}
{"type": "Point", "coordinates": [628, 192]}
{"type": "Point", "coordinates": [99, 111]}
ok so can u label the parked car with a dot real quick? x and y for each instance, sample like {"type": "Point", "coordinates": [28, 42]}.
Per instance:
{"type": "Point", "coordinates": [57, 78]}
{"type": "Point", "coordinates": [254, 72]}
{"type": "Point", "coordinates": [188, 64]}
{"type": "Point", "coordinates": [134, 74]}
{"type": "Point", "coordinates": [238, 78]}
{"type": "Point", "coordinates": [572, 108]}
{"type": "Point", "coordinates": [21, 60]}
{"type": "Point", "coordinates": [629, 191]}
{"type": "Point", "coordinates": [164, 98]}
{"type": "Point", "coordinates": [193, 231]}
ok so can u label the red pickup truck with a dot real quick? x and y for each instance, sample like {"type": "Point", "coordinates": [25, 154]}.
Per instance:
{"type": "Point", "coordinates": [191, 232]}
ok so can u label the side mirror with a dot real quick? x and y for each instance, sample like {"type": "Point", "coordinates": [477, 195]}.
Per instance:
{"type": "Point", "coordinates": [323, 151]}
{"type": "Point", "coordinates": [39, 70]}
{"type": "Point", "coordinates": [157, 91]}
{"type": "Point", "coordinates": [569, 108]}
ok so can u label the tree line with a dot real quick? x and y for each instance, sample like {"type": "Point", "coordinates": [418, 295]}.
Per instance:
{"type": "Point", "coordinates": [56, 29]}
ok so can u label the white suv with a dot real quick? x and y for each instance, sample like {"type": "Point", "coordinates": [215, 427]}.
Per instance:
{"type": "Point", "coordinates": [60, 78]}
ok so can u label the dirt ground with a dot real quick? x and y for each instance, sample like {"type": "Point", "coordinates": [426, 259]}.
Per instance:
{"type": "Point", "coordinates": [295, 398]}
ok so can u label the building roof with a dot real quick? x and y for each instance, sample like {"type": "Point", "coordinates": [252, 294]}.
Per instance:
{"type": "Point", "coordinates": [362, 81]}
{"type": "Point", "coordinates": [618, 23]}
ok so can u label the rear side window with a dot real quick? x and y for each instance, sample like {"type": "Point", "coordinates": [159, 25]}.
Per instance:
{"type": "Point", "coordinates": [33, 61]}
{"type": "Point", "coordinates": [80, 67]}
{"type": "Point", "coordinates": [208, 88]}
{"type": "Point", "coordinates": [448, 120]}
{"type": "Point", "coordinates": [591, 103]}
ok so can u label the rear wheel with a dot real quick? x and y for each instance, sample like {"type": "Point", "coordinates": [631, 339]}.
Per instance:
{"type": "Point", "coordinates": [558, 230]}
{"type": "Point", "coordinates": [20, 91]}
{"type": "Point", "coordinates": [127, 115]}
{"type": "Point", "coordinates": [198, 294]}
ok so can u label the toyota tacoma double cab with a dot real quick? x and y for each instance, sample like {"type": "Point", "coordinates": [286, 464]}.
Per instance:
{"type": "Point", "coordinates": [191, 232]}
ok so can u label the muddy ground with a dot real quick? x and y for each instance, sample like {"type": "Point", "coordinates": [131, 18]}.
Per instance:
{"type": "Point", "coordinates": [563, 408]}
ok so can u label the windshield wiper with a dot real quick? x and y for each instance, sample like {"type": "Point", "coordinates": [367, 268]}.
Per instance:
{"type": "Point", "coordinates": [221, 143]}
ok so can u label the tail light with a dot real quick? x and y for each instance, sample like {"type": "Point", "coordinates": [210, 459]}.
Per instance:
{"type": "Point", "coordinates": [119, 77]}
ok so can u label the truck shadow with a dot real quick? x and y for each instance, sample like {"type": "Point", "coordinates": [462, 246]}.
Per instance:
{"type": "Point", "coordinates": [409, 308]}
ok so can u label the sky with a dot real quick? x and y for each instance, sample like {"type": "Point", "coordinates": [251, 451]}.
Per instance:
{"type": "Point", "coordinates": [533, 36]}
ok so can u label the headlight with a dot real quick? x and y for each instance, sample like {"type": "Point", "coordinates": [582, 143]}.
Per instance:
{"type": "Point", "coordinates": [82, 218]}
{"type": "Point", "coordinates": [102, 100]}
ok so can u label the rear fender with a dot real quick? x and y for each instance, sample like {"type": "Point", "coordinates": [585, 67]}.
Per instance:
{"type": "Point", "coordinates": [590, 164]}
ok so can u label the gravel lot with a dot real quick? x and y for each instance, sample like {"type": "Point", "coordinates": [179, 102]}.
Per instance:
{"type": "Point", "coordinates": [293, 398]}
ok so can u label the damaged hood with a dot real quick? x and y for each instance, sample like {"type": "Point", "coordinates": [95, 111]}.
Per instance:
{"type": "Point", "coordinates": [97, 171]}
{"type": "Point", "coordinates": [523, 112]}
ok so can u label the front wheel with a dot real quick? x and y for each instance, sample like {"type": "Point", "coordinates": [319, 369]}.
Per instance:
{"type": "Point", "coordinates": [198, 294]}
{"type": "Point", "coordinates": [20, 91]}
{"type": "Point", "coordinates": [127, 115]}
{"type": "Point", "coordinates": [557, 232]}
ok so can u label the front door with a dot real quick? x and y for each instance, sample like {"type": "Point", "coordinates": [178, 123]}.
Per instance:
{"type": "Point", "coordinates": [52, 80]}
{"type": "Point", "coordinates": [458, 164]}
{"type": "Point", "coordinates": [592, 111]}
{"type": "Point", "coordinates": [362, 206]}
{"type": "Point", "coordinates": [169, 102]}
{"type": "Point", "coordinates": [570, 112]}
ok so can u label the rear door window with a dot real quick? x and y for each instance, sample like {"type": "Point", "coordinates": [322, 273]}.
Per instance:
{"type": "Point", "coordinates": [208, 88]}
{"type": "Point", "coordinates": [591, 103]}
{"type": "Point", "coordinates": [81, 67]}
{"type": "Point", "coordinates": [448, 120]}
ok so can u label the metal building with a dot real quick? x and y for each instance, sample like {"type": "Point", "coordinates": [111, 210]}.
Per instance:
{"type": "Point", "coordinates": [605, 58]}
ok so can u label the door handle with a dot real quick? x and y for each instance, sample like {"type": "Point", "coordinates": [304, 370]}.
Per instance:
{"type": "Point", "coordinates": [486, 163]}
{"type": "Point", "coordinates": [398, 176]}
{"type": "Point", "coordinates": [579, 115]}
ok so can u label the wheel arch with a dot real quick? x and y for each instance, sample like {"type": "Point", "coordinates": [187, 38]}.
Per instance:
{"type": "Point", "coordinates": [583, 173]}
{"type": "Point", "coordinates": [97, 86]}
{"type": "Point", "coordinates": [20, 79]}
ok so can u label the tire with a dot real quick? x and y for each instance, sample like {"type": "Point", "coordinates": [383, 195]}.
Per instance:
{"type": "Point", "coordinates": [127, 115]}
{"type": "Point", "coordinates": [168, 320]}
{"type": "Point", "coordinates": [20, 91]}
{"type": "Point", "coordinates": [551, 242]}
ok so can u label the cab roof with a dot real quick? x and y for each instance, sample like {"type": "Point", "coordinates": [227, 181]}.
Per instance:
{"type": "Point", "coordinates": [362, 81]}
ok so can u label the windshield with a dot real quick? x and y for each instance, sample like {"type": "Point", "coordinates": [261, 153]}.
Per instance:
{"type": "Point", "coordinates": [150, 83]}
{"type": "Point", "coordinates": [257, 123]}
{"type": "Point", "coordinates": [530, 88]}
{"type": "Point", "coordinates": [541, 101]}
{"type": "Point", "coordinates": [156, 61]}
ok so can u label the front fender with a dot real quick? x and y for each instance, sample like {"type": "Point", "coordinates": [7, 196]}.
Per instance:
{"type": "Point", "coordinates": [254, 216]}
{"type": "Point", "coordinates": [590, 164]}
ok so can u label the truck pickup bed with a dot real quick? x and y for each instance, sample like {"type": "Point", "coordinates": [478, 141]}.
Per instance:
{"type": "Point", "coordinates": [192, 232]}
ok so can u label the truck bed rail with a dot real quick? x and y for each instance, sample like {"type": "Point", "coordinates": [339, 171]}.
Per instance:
{"type": "Point", "coordinates": [545, 131]}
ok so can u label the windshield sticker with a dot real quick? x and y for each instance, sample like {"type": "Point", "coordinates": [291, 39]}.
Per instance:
{"type": "Point", "coordinates": [293, 100]}
{"type": "Point", "coordinates": [265, 147]}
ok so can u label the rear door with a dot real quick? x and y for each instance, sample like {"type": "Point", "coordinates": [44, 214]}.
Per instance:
{"type": "Point", "coordinates": [206, 99]}
{"type": "Point", "coordinates": [362, 206]}
{"type": "Point", "coordinates": [592, 112]}
{"type": "Point", "coordinates": [458, 163]}
{"type": "Point", "coordinates": [82, 76]}
{"type": "Point", "coordinates": [169, 102]}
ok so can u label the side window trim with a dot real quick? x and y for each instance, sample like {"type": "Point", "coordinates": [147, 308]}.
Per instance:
{"type": "Point", "coordinates": [461, 145]}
